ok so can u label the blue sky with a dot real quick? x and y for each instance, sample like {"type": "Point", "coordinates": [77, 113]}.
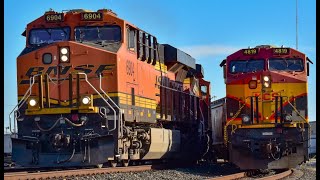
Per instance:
{"type": "Point", "coordinates": [209, 30]}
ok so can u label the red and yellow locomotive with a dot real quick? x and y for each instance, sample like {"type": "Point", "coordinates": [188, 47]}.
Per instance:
{"type": "Point", "coordinates": [265, 114]}
{"type": "Point", "coordinates": [94, 88]}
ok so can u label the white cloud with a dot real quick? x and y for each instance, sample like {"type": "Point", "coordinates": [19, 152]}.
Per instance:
{"type": "Point", "coordinates": [198, 51]}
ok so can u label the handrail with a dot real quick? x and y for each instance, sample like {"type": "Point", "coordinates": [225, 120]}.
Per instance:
{"type": "Point", "coordinates": [233, 118]}
{"type": "Point", "coordinates": [107, 94]}
{"type": "Point", "coordinates": [115, 118]}
{"type": "Point", "coordinates": [21, 102]}
{"type": "Point", "coordinates": [29, 92]}
{"type": "Point", "coordinates": [104, 114]}
{"type": "Point", "coordinates": [120, 110]}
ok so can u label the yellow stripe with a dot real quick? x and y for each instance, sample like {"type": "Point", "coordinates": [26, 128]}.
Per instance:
{"type": "Point", "coordinates": [267, 107]}
{"type": "Point", "coordinates": [258, 126]}
{"type": "Point", "coordinates": [123, 99]}
{"type": "Point", "coordinates": [163, 67]}
{"type": "Point", "coordinates": [286, 89]}
{"type": "Point", "coordinates": [60, 110]}
{"type": "Point", "coordinates": [186, 81]}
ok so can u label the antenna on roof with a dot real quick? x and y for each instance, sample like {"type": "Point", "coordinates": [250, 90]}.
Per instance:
{"type": "Point", "coordinates": [297, 24]}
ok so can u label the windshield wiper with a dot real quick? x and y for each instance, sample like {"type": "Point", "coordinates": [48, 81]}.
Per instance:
{"type": "Point", "coordinates": [98, 32]}
{"type": "Point", "coordinates": [105, 42]}
{"type": "Point", "coordinates": [48, 32]}
{"type": "Point", "coordinates": [64, 31]}
{"type": "Point", "coordinates": [46, 29]}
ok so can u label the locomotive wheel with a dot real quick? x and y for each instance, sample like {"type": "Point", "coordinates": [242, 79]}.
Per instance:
{"type": "Point", "coordinates": [113, 163]}
{"type": "Point", "coordinates": [125, 163]}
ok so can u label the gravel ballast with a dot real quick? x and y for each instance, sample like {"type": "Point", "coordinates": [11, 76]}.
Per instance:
{"type": "Point", "coordinates": [306, 171]}
{"type": "Point", "coordinates": [193, 173]}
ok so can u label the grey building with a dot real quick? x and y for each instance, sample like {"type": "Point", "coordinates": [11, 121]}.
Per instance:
{"type": "Point", "coordinates": [312, 147]}
{"type": "Point", "coordinates": [7, 144]}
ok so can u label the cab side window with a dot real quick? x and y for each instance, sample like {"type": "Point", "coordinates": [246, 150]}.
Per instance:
{"type": "Point", "coordinates": [132, 37]}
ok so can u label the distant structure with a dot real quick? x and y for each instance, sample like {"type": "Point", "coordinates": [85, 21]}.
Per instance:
{"type": "Point", "coordinates": [7, 145]}
{"type": "Point", "coordinates": [312, 148]}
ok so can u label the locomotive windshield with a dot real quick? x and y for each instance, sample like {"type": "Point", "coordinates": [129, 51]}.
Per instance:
{"type": "Point", "coordinates": [48, 35]}
{"type": "Point", "coordinates": [285, 65]}
{"type": "Point", "coordinates": [244, 66]}
{"type": "Point", "coordinates": [98, 33]}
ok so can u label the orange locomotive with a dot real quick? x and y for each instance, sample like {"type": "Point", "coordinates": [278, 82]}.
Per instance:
{"type": "Point", "coordinates": [264, 114]}
{"type": "Point", "coordinates": [94, 88]}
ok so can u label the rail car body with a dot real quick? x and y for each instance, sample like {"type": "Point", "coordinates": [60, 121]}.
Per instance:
{"type": "Point", "coordinates": [264, 116]}
{"type": "Point", "coordinates": [94, 88]}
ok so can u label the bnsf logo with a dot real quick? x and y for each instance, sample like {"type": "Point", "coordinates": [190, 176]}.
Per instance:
{"type": "Point", "coordinates": [88, 68]}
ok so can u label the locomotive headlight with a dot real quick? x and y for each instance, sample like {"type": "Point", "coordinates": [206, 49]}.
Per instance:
{"type": "Point", "coordinates": [32, 102]}
{"type": "Point", "coordinates": [64, 51]}
{"type": "Point", "coordinates": [266, 84]}
{"type": "Point", "coordinates": [64, 58]}
{"type": "Point", "coordinates": [85, 100]}
{"type": "Point", "coordinates": [245, 119]}
{"type": "Point", "coordinates": [266, 81]}
{"type": "Point", "coordinates": [64, 54]}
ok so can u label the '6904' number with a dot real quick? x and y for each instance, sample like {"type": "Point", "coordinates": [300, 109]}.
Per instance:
{"type": "Point", "coordinates": [91, 16]}
{"type": "Point", "coordinates": [54, 17]}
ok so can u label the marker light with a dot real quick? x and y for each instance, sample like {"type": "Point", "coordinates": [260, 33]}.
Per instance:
{"type": "Point", "coordinates": [266, 78]}
{"type": "Point", "coordinates": [288, 117]}
{"type": "Point", "coordinates": [245, 119]}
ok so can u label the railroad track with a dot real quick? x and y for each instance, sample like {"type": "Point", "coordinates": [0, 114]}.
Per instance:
{"type": "Point", "coordinates": [79, 172]}
{"type": "Point", "coordinates": [63, 174]}
{"type": "Point", "coordinates": [244, 175]}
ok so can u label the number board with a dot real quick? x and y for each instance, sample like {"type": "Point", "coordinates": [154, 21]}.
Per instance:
{"type": "Point", "coordinates": [281, 51]}
{"type": "Point", "coordinates": [250, 51]}
{"type": "Point", "coordinates": [91, 16]}
{"type": "Point", "coordinates": [54, 17]}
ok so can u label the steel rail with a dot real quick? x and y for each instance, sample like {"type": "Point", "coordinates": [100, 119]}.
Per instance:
{"type": "Point", "coordinates": [78, 172]}
{"type": "Point", "coordinates": [230, 177]}
{"type": "Point", "coordinates": [243, 175]}
{"type": "Point", "coordinates": [278, 176]}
